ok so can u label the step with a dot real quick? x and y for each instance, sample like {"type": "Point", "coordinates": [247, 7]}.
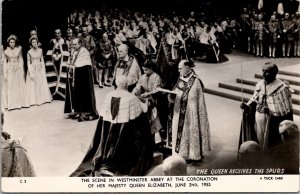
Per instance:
{"type": "Point", "coordinates": [65, 53]}
{"type": "Point", "coordinates": [49, 52]}
{"type": "Point", "coordinates": [296, 109]}
{"type": "Point", "coordinates": [234, 95]}
{"type": "Point", "coordinates": [291, 80]}
{"type": "Point", "coordinates": [282, 72]}
{"type": "Point", "coordinates": [250, 90]}
{"type": "Point", "coordinates": [64, 64]}
{"type": "Point", "coordinates": [64, 75]}
{"type": "Point", "coordinates": [49, 63]}
{"type": "Point", "coordinates": [52, 84]}
{"type": "Point", "coordinates": [61, 85]}
{"type": "Point", "coordinates": [253, 82]}
{"type": "Point", "coordinates": [51, 74]}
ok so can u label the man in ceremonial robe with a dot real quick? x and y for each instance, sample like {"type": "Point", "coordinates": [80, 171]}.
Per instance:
{"type": "Point", "coordinates": [80, 95]}
{"type": "Point", "coordinates": [122, 142]}
{"type": "Point", "coordinates": [69, 39]}
{"type": "Point", "coordinates": [89, 43]}
{"type": "Point", "coordinates": [190, 132]}
{"type": "Point", "coordinates": [128, 66]}
{"type": "Point", "coordinates": [273, 105]}
{"type": "Point", "coordinates": [105, 59]}
{"type": "Point", "coordinates": [57, 46]}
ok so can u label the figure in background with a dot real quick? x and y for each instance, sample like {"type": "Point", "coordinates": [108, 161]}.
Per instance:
{"type": "Point", "coordinates": [34, 33]}
{"type": "Point", "coordinates": [274, 28]}
{"type": "Point", "coordinates": [260, 34]}
{"type": "Point", "coordinates": [253, 21]}
{"type": "Point", "coordinates": [143, 43]}
{"type": "Point", "coordinates": [105, 59]}
{"type": "Point", "coordinates": [57, 49]}
{"type": "Point", "coordinates": [176, 42]}
{"type": "Point", "coordinates": [36, 82]}
{"type": "Point", "coordinates": [152, 39]}
{"type": "Point", "coordinates": [80, 95]}
{"type": "Point", "coordinates": [122, 141]}
{"type": "Point", "coordinates": [245, 26]}
{"type": "Point", "coordinates": [189, 130]}
{"type": "Point", "coordinates": [204, 40]}
{"type": "Point", "coordinates": [274, 104]}
{"type": "Point", "coordinates": [120, 35]}
{"type": "Point", "coordinates": [213, 49]}
{"type": "Point", "coordinates": [14, 76]}
{"type": "Point", "coordinates": [69, 39]}
{"type": "Point", "coordinates": [188, 36]}
{"type": "Point", "coordinates": [89, 43]}
{"type": "Point", "coordinates": [96, 31]}
{"type": "Point", "coordinates": [296, 34]}
{"type": "Point", "coordinates": [129, 35]}
{"type": "Point", "coordinates": [287, 28]}
{"type": "Point", "coordinates": [97, 20]}
{"type": "Point", "coordinates": [78, 31]}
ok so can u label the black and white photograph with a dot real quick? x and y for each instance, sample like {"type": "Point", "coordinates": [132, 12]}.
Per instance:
{"type": "Point", "coordinates": [160, 96]}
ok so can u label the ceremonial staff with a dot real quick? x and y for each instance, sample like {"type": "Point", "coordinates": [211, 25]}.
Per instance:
{"type": "Point", "coordinates": [69, 85]}
{"type": "Point", "coordinates": [242, 100]}
{"type": "Point", "coordinates": [71, 74]}
{"type": "Point", "coordinates": [70, 94]}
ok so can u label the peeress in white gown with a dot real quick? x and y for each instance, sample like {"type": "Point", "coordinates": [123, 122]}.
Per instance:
{"type": "Point", "coordinates": [14, 92]}
{"type": "Point", "coordinates": [36, 82]}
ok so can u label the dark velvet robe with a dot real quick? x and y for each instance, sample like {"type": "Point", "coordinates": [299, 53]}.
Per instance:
{"type": "Point", "coordinates": [121, 148]}
{"type": "Point", "coordinates": [81, 97]}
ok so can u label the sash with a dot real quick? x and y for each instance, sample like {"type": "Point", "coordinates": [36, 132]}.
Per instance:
{"type": "Point", "coordinates": [73, 66]}
{"type": "Point", "coordinates": [185, 86]}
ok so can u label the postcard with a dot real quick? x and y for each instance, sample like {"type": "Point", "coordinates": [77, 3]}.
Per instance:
{"type": "Point", "coordinates": [132, 96]}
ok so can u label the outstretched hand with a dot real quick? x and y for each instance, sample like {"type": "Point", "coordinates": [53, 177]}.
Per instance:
{"type": "Point", "coordinates": [144, 95]}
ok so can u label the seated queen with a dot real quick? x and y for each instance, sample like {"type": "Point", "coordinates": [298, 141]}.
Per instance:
{"type": "Point", "coordinates": [122, 143]}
